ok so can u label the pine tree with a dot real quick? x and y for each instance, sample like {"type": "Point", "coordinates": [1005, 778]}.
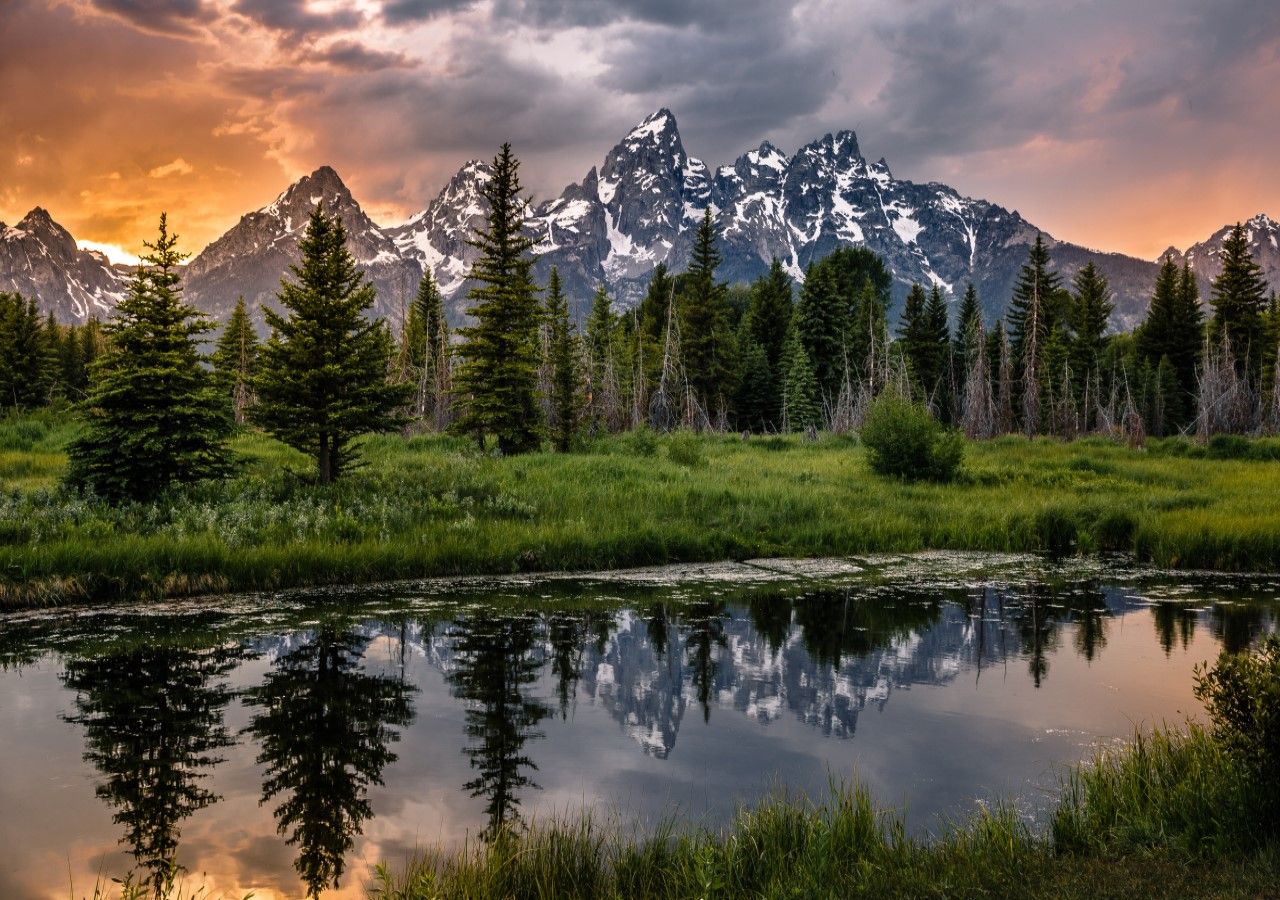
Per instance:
{"type": "Point", "coordinates": [71, 363]}
{"type": "Point", "coordinates": [938, 344]}
{"type": "Point", "coordinates": [498, 376]}
{"type": "Point", "coordinates": [870, 329]}
{"type": "Point", "coordinates": [425, 329]}
{"type": "Point", "coordinates": [234, 359]}
{"type": "Point", "coordinates": [322, 375]}
{"type": "Point", "coordinates": [1239, 298]}
{"type": "Point", "coordinates": [27, 369]}
{"type": "Point", "coordinates": [562, 351]}
{"type": "Point", "coordinates": [708, 342]}
{"type": "Point", "coordinates": [153, 416]}
{"type": "Point", "coordinates": [757, 397]}
{"type": "Point", "coordinates": [1034, 299]}
{"type": "Point", "coordinates": [915, 331]}
{"type": "Point", "coordinates": [823, 320]}
{"type": "Point", "coordinates": [766, 323]}
{"type": "Point", "coordinates": [1174, 330]}
{"type": "Point", "coordinates": [801, 407]}
{"type": "Point", "coordinates": [1091, 313]}
{"type": "Point", "coordinates": [1157, 336]}
{"type": "Point", "coordinates": [969, 329]}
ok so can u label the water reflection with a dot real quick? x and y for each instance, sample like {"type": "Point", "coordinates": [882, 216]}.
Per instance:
{"type": "Point", "coordinates": [519, 687]}
{"type": "Point", "coordinates": [153, 727]}
{"type": "Point", "coordinates": [325, 727]}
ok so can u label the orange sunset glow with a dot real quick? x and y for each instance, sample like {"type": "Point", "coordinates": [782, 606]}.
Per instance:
{"type": "Point", "coordinates": [1120, 126]}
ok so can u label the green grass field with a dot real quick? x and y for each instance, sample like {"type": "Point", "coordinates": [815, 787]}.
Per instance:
{"type": "Point", "coordinates": [434, 506]}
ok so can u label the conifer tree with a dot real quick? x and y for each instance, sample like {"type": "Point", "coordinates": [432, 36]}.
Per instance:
{"type": "Point", "coordinates": [916, 333]}
{"type": "Point", "coordinates": [707, 340]}
{"type": "Point", "coordinates": [1034, 299]}
{"type": "Point", "coordinates": [1239, 298]}
{"type": "Point", "coordinates": [870, 328]}
{"type": "Point", "coordinates": [938, 346]}
{"type": "Point", "coordinates": [27, 368]}
{"type": "Point", "coordinates": [425, 329]}
{"type": "Point", "coordinates": [969, 330]}
{"type": "Point", "coordinates": [71, 363]}
{"type": "Point", "coordinates": [822, 317]}
{"type": "Point", "coordinates": [562, 351]}
{"type": "Point", "coordinates": [153, 416]}
{"type": "Point", "coordinates": [766, 323]}
{"type": "Point", "coordinates": [498, 376]}
{"type": "Point", "coordinates": [757, 397]}
{"type": "Point", "coordinates": [1091, 312]}
{"type": "Point", "coordinates": [1157, 336]}
{"type": "Point", "coordinates": [801, 406]}
{"type": "Point", "coordinates": [322, 375]}
{"type": "Point", "coordinates": [234, 359]}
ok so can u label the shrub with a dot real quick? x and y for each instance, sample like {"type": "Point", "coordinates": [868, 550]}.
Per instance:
{"type": "Point", "coordinates": [1241, 693]}
{"type": "Point", "coordinates": [905, 441]}
{"type": "Point", "coordinates": [1227, 446]}
{"type": "Point", "coordinates": [684, 448]}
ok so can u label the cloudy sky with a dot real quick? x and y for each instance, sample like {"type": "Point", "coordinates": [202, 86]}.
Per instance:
{"type": "Point", "coordinates": [1120, 124]}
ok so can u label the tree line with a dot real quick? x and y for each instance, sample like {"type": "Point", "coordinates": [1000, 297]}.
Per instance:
{"type": "Point", "coordinates": [695, 353]}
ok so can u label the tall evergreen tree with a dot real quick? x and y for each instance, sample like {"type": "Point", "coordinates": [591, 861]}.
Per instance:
{"type": "Point", "coordinates": [822, 316]}
{"type": "Point", "coordinates": [870, 328]}
{"type": "Point", "coordinates": [1091, 310]}
{"type": "Point", "coordinates": [801, 405]}
{"type": "Point", "coordinates": [770, 312]}
{"type": "Point", "coordinates": [938, 346]}
{"type": "Point", "coordinates": [1035, 296]}
{"type": "Point", "coordinates": [234, 360]}
{"type": "Point", "coordinates": [498, 377]}
{"type": "Point", "coordinates": [153, 415]}
{"type": "Point", "coordinates": [322, 375]}
{"type": "Point", "coordinates": [27, 369]}
{"type": "Point", "coordinates": [705, 330]}
{"type": "Point", "coordinates": [563, 358]}
{"type": "Point", "coordinates": [969, 329]}
{"type": "Point", "coordinates": [425, 331]}
{"type": "Point", "coordinates": [1174, 330]}
{"type": "Point", "coordinates": [1239, 298]}
{"type": "Point", "coordinates": [757, 398]}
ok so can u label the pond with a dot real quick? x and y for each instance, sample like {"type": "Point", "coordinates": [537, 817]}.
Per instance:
{"type": "Point", "coordinates": [285, 743]}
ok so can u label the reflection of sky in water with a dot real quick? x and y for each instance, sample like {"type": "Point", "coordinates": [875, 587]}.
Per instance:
{"type": "Point", "coordinates": [672, 697]}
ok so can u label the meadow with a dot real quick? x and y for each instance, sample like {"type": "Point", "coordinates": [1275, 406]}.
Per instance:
{"type": "Point", "coordinates": [434, 505]}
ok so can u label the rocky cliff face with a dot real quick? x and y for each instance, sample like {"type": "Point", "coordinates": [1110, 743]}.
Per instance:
{"type": "Point", "coordinates": [639, 207]}
{"type": "Point", "coordinates": [39, 258]}
{"type": "Point", "coordinates": [251, 258]}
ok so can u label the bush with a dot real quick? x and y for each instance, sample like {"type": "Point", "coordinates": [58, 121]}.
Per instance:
{"type": "Point", "coordinates": [1227, 446]}
{"type": "Point", "coordinates": [684, 448]}
{"type": "Point", "coordinates": [905, 441]}
{"type": "Point", "coordinates": [1242, 696]}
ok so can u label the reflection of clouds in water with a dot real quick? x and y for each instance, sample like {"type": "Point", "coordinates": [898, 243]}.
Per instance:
{"type": "Point", "coordinates": [785, 671]}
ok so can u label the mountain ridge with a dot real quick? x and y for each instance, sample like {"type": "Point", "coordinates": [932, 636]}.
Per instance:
{"type": "Point", "coordinates": [639, 207]}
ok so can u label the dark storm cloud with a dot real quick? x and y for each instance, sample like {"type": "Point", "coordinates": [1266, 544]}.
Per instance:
{"type": "Point", "coordinates": [398, 12]}
{"type": "Point", "coordinates": [180, 17]}
{"type": "Point", "coordinates": [352, 56]}
{"type": "Point", "coordinates": [293, 17]}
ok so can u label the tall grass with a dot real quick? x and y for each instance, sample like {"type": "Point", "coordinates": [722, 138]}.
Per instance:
{"type": "Point", "coordinates": [434, 506]}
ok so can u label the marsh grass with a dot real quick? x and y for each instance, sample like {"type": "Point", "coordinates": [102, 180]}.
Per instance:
{"type": "Point", "coordinates": [434, 506]}
{"type": "Point", "coordinates": [847, 847]}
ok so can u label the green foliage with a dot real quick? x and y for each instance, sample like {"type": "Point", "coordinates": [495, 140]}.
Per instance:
{"type": "Point", "coordinates": [28, 358]}
{"type": "Point", "coordinates": [904, 441]}
{"type": "Point", "coordinates": [969, 327]}
{"type": "Point", "coordinates": [426, 332]}
{"type": "Point", "coordinates": [684, 448]}
{"type": "Point", "coordinates": [801, 407]}
{"type": "Point", "coordinates": [322, 375]}
{"type": "Point", "coordinates": [706, 335]}
{"type": "Point", "coordinates": [234, 359]}
{"type": "Point", "coordinates": [822, 320]}
{"type": "Point", "coordinates": [1241, 693]}
{"type": "Point", "coordinates": [498, 378]}
{"type": "Point", "coordinates": [1091, 312]}
{"type": "Point", "coordinates": [1239, 298]}
{"type": "Point", "coordinates": [564, 375]}
{"type": "Point", "coordinates": [154, 417]}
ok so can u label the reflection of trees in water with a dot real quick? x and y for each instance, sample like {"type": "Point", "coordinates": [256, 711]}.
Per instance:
{"type": "Point", "coordinates": [1043, 611]}
{"type": "Point", "coordinates": [841, 624]}
{"type": "Point", "coordinates": [325, 729]}
{"type": "Point", "coordinates": [153, 725]}
{"type": "Point", "coordinates": [703, 622]}
{"type": "Point", "coordinates": [495, 665]}
{"type": "Point", "coordinates": [1237, 624]}
{"type": "Point", "coordinates": [1175, 624]}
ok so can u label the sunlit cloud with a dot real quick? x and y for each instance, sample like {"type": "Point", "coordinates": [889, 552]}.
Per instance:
{"type": "Point", "coordinates": [1120, 124]}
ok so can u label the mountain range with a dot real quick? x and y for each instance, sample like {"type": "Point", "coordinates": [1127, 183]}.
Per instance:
{"type": "Point", "coordinates": [639, 208]}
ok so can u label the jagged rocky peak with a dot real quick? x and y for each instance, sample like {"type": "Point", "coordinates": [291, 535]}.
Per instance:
{"type": "Point", "coordinates": [39, 225]}
{"type": "Point", "coordinates": [40, 259]}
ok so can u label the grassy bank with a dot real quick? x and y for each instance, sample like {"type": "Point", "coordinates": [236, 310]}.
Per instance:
{"type": "Point", "coordinates": [434, 506]}
{"type": "Point", "coordinates": [1169, 817]}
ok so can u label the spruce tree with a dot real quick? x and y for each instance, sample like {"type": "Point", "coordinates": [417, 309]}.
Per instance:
{"type": "Point", "coordinates": [707, 340]}
{"type": "Point", "coordinates": [563, 353]}
{"type": "Point", "coordinates": [870, 327]}
{"type": "Point", "coordinates": [1034, 299]}
{"type": "Point", "coordinates": [938, 345]}
{"type": "Point", "coordinates": [1157, 336]}
{"type": "Point", "coordinates": [498, 377]}
{"type": "Point", "coordinates": [766, 324]}
{"type": "Point", "coordinates": [425, 328]}
{"type": "Point", "coordinates": [27, 369]}
{"type": "Point", "coordinates": [801, 405]}
{"type": "Point", "coordinates": [757, 398]}
{"type": "Point", "coordinates": [969, 329]}
{"type": "Point", "coordinates": [822, 317]}
{"type": "Point", "coordinates": [322, 374]}
{"type": "Point", "coordinates": [1239, 298]}
{"type": "Point", "coordinates": [234, 359]}
{"type": "Point", "coordinates": [153, 415]}
{"type": "Point", "coordinates": [915, 333]}
{"type": "Point", "coordinates": [1091, 313]}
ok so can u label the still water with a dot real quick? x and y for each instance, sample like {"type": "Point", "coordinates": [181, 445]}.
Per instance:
{"type": "Point", "coordinates": [284, 743]}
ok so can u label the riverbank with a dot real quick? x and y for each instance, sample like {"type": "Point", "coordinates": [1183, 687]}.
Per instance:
{"type": "Point", "coordinates": [432, 505]}
{"type": "Point", "coordinates": [1170, 816]}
